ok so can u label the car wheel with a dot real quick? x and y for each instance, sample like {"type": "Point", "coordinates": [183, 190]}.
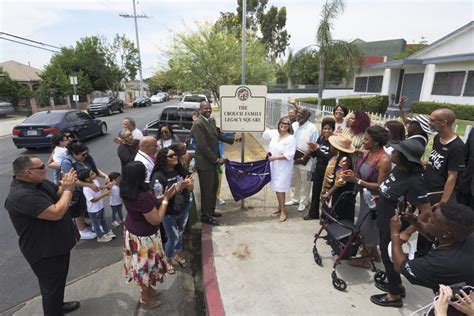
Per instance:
{"type": "Point", "coordinates": [103, 129]}
{"type": "Point", "coordinates": [121, 109]}
{"type": "Point", "coordinates": [109, 111]}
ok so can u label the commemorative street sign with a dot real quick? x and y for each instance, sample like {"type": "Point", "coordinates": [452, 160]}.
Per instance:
{"type": "Point", "coordinates": [243, 108]}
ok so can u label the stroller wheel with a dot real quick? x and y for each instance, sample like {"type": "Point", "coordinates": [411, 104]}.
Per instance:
{"type": "Point", "coordinates": [339, 284]}
{"type": "Point", "coordinates": [317, 259]}
{"type": "Point", "coordinates": [380, 276]}
{"type": "Point", "coordinates": [315, 250]}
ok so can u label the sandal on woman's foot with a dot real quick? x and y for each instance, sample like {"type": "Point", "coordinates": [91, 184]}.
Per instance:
{"type": "Point", "coordinates": [150, 303]}
{"type": "Point", "coordinates": [181, 261]}
{"type": "Point", "coordinates": [282, 218]}
{"type": "Point", "coordinates": [170, 269]}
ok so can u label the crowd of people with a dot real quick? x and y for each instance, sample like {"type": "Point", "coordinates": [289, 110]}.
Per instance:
{"type": "Point", "coordinates": [311, 164]}
{"type": "Point", "coordinates": [352, 156]}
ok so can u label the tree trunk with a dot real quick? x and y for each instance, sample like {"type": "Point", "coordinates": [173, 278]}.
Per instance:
{"type": "Point", "coordinates": [321, 79]}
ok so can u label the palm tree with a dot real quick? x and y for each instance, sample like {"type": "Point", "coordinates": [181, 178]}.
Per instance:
{"type": "Point", "coordinates": [327, 46]}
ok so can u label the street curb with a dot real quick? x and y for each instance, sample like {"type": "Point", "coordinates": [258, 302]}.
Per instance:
{"type": "Point", "coordinates": [212, 294]}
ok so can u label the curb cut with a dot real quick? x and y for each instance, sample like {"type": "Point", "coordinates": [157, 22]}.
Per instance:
{"type": "Point", "coordinates": [212, 294]}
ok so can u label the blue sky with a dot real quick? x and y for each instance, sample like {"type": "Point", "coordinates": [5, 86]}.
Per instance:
{"type": "Point", "coordinates": [63, 22]}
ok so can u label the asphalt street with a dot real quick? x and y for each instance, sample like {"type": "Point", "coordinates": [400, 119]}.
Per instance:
{"type": "Point", "coordinates": [17, 281]}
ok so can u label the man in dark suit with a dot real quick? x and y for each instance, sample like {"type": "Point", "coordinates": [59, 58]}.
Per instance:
{"type": "Point", "coordinates": [207, 137]}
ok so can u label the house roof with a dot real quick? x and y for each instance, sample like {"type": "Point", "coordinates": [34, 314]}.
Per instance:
{"type": "Point", "coordinates": [397, 63]}
{"type": "Point", "coordinates": [442, 40]}
{"type": "Point", "coordinates": [21, 72]}
{"type": "Point", "coordinates": [135, 85]}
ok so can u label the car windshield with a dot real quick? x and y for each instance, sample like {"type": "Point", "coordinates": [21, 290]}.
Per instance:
{"type": "Point", "coordinates": [139, 99]}
{"type": "Point", "coordinates": [194, 98]}
{"type": "Point", "coordinates": [101, 100]}
{"type": "Point", "coordinates": [45, 118]}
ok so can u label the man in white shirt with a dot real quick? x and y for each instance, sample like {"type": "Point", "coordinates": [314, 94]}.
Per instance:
{"type": "Point", "coordinates": [305, 131]}
{"type": "Point", "coordinates": [129, 123]}
{"type": "Point", "coordinates": [146, 154]}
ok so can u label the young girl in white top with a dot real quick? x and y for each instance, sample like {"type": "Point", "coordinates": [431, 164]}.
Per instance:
{"type": "Point", "coordinates": [59, 142]}
{"type": "Point", "coordinates": [116, 200]}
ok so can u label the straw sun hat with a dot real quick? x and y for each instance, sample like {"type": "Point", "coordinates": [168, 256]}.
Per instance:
{"type": "Point", "coordinates": [342, 143]}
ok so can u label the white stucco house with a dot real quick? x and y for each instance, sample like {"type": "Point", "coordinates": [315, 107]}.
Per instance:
{"type": "Point", "coordinates": [440, 72]}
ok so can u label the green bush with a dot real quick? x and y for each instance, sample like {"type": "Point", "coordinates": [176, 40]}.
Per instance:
{"type": "Point", "coordinates": [377, 104]}
{"type": "Point", "coordinates": [463, 111]}
{"type": "Point", "coordinates": [314, 100]}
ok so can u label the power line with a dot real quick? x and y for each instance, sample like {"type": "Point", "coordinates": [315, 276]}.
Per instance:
{"type": "Point", "coordinates": [8, 39]}
{"type": "Point", "coordinates": [29, 40]}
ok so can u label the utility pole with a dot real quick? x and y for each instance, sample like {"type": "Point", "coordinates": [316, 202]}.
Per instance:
{"type": "Point", "coordinates": [135, 17]}
{"type": "Point", "coordinates": [244, 45]}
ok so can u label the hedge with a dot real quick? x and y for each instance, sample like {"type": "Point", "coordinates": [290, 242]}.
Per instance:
{"type": "Point", "coordinates": [377, 104]}
{"type": "Point", "coordinates": [462, 111]}
{"type": "Point", "coordinates": [314, 100]}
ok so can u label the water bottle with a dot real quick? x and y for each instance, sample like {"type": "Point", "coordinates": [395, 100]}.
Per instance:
{"type": "Point", "coordinates": [192, 163]}
{"type": "Point", "coordinates": [158, 189]}
{"type": "Point", "coordinates": [368, 198]}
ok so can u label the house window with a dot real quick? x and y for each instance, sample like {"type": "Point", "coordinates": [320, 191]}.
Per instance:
{"type": "Point", "coordinates": [375, 84]}
{"type": "Point", "coordinates": [368, 84]}
{"type": "Point", "coordinates": [448, 83]}
{"type": "Point", "coordinates": [469, 89]}
{"type": "Point", "coordinates": [360, 84]}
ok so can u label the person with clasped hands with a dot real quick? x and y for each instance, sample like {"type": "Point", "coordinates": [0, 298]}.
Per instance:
{"type": "Point", "coordinates": [451, 227]}
{"type": "Point", "coordinates": [38, 209]}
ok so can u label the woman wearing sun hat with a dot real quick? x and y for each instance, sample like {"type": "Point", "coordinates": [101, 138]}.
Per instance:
{"type": "Point", "coordinates": [404, 183]}
{"type": "Point", "coordinates": [333, 184]}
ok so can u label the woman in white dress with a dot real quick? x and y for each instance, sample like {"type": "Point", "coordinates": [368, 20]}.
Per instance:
{"type": "Point", "coordinates": [281, 152]}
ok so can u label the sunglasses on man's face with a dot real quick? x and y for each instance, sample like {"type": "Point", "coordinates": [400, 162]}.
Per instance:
{"type": "Point", "coordinates": [171, 155]}
{"type": "Point", "coordinates": [83, 154]}
{"type": "Point", "coordinates": [42, 167]}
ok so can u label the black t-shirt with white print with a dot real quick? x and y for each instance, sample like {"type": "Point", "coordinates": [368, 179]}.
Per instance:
{"type": "Point", "coordinates": [443, 158]}
{"type": "Point", "coordinates": [396, 185]}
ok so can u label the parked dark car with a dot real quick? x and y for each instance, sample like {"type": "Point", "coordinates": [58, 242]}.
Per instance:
{"type": "Point", "coordinates": [180, 119]}
{"type": "Point", "coordinates": [105, 105]}
{"type": "Point", "coordinates": [6, 108]}
{"type": "Point", "coordinates": [142, 102]}
{"type": "Point", "coordinates": [38, 129]}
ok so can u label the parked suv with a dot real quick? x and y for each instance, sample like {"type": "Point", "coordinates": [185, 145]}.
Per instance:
{"type": "Point", "coordinates": [105, 105]}
{"type": "Point", "coordinates": [180, 119]}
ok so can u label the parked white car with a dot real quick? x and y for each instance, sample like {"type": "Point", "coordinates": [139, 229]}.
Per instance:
{"type": "Point", "coordinates": [157, 98]}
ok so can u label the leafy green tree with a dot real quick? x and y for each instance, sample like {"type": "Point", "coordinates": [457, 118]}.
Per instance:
{"type": "Point", "coordinates": [328, 47]}
{"type": "Point", "coordinates": [122, 60]}
{"type": "Point", "coordinates": [207, 58]}
{"type": "Point", "coordinates": [161, 81]}
{"type": "Point", "coordinates": [271, 24]}
{"type": "Point", "coordinates": [10, 90]}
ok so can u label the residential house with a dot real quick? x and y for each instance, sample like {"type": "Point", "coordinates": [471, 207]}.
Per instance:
{"type": "Point", "coordinates": [24, 74]}
{"type": "Point", "coordinates": [441, 72]}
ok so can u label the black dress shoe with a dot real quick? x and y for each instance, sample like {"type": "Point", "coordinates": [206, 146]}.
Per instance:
{"type": "Point", "coordinates": [216, 214]}
{"type": "Point", "coordinates": [309, 218]}
{"type": "Point", "coordinates": [210, 221]}
{"type": "Point", "coordinates": [383, 286]}
{"type": "Point", "coordinates": [70, 306]}
{"type": "Point", "coordinates": [381, 300]}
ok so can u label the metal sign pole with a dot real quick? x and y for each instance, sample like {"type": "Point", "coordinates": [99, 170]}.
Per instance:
{"type": "Point", "coordinates": [244, 39]}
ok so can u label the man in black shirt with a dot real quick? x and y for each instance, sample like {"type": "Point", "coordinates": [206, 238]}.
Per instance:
{"type": "Point", "coordinates": [38, 210]}
{"type": "Point", "coordinates": [451, 225]}
{"type": "Point", "coordinates": [446, 160]}
{"type": "Point", "coordinates": [465, 184]}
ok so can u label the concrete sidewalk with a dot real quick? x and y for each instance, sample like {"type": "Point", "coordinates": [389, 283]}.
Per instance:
{"type": "Point", "coordinates": [7, 124]}
{"type": "Point", "coordinates": [263, 266]}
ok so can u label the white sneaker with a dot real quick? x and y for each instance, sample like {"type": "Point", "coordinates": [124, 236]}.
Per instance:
{"type": "Point", "coordinates": [220, 202]}
{"type": "Point", "coordinates": [104, 238]}
{"type": "Point", "coordinates": [116, 223]}
{"type": "Point", "coordinates": [111, 234]}
{"type": "Point", "coordinates": [290, 203]}
{"type": "Point", "coordinates": [87, 234]}
{"type": "Point", "coordinates": [301, 207]}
